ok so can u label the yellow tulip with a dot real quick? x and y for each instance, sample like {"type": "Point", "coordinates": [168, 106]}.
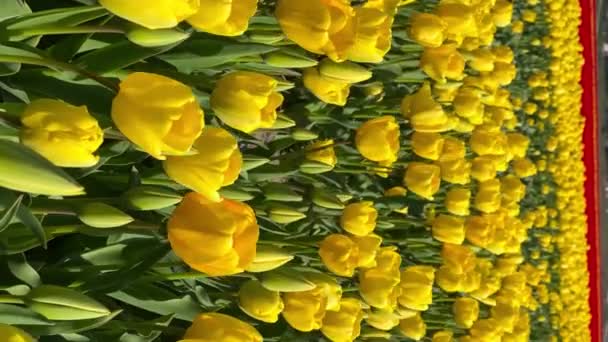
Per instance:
{"type": "Point", "coordinates": [157, 14]}
{"type": "Point", "coordinates": [466, 311]}
{"type": "Point", "coordinates": [423, 179]}
{"type": "Point", "coordinates": [486, 330]}
{"type": "Point", "coordinates": [372, 35]}
{"type": "Point", "coordinates": [467, 104]}
{"type": "Point", "coordinates": [442, 63]}
{"type": "Point", "coordinates": [379, 285]}
{"type": "Point", "coordinates": [382, 319]}
{"type": "Point", "coordinates": [528, 15]}
{"type": "Point", "coordinates": [488, 143]}
{"type": "Point", "coordinates": [213, 327]}
{"type": "Point", "coordinates": [483, 168]}
{"type": "Point", "coordinates": [332, 289]}
{"type": "Point", "coordinates": [457, 201]}
{"type": "Point", "coordinates": [343, 325]}
{"type": "Point", "coordinates": [506, 313]}
{"type": "Point", "coordinates": [513, 190]}
{"type": "Point", "coordinates": [504, 73]}
{"type": "Point", "coordinates": [325, 27]}
{"type": "Point", "coordinates": [417, 287]}
{"type": "Point", "coordinates": [443, 336]}
{"type": "Point", "coordinates": [13, 334]}
{"type": "Point", "coordinates": [427, 29]}
{"type": "Point", "coordinates": [260, 303]}
{"type": "Point", "coordinates": [524, 168]}
{"type": "Point", "coordinates": [66, 135]}
{"type": "Point", "coordinates": [368, 247]}
{"type": "Point", "coordinates": [460, 20]}
{"type": "Point", "coordinates": [339, 254]}
{"type": "Point", "coordinates": [424, 113]}
{"type": "Point", "coordinates": [517, 27]}
{"type": "Point", "coordinates": [304, 311]}
{"type": "Point", "coordinates": [359, 218]}
{"type": "Point", "coordinates": [413, 327]}
{"type": "Point", "coordinates": [453, 149]}
{"type": "Point", "coordinates": [378, 140]}
{"type": "Point", "coordinates": [502, 13]}
{"type": "Point", "coordinates": [480, 231]}
{"type": "Point", "coordinates": [459, 258]}
{"type": "Point", "coordinates": [217, 164]}
{"type": "Point", "coordinates": [455, 171]}
{"type": "Point", "coordinates": [396, 191]}
{"type": "Point", "coordinates": [448, 229]}
{"type": "Point", "coordinates": [229, 226]}
{"type": "Point", "coordinates": [225, 17]}
{"type": "Point", "coordinates": [158, 114]}
{"type": "Point", "coordinates": [427, 145]}
{"type": "Point", "coordinates": [488, 196]}
{"type": "Point", "coordinates": [326, 89]}
{"type": "Point", "coordinates": [246, 100]}
{"type": "Point", "coordinates": [323, 152]}
{"type": "Point", "coordinates": [482, 60]}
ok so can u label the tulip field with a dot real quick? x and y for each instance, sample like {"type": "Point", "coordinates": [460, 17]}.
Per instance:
{"type": "Point", "coordinates": [290, 170]}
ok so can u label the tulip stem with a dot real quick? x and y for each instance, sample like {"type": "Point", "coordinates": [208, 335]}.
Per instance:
{"type": "Point", "coordinates": [53, 64]}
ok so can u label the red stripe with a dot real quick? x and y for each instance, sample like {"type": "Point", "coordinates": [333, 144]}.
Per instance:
{"type": "Point", "coordinates": [588, 36]}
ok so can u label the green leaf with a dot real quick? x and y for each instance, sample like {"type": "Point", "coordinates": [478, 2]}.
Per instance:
{"type": "Point", "coordinates": [9, 214]}
{"type": "Point", "coordinates": [13, 8]}
{"type": "Point", "coordinates": [58, 17]}
{"type": "Point", "coordinates": [64, 304]}
{"type": "Point", "coordinates": [22, 270]}
{"type": "Point", "coordinates": [16, 315]}
{"type": "Point", "coordinates": [13, 68]}
{"type": "Point", "coordinates": [24, 215]}
{"type": "Point", "coordinates": [68, 327]}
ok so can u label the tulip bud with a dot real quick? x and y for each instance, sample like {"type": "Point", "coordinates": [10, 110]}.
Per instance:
{"type": "Point", "coordinates": [251, 162]}
{"type": "Point", "coordinates": [282, 59]}
{"type": "Point", "coordinates": [285, 215]}
{"type": "Point", "coordinates": [300, 134]}
{"type": "Point", "coordinates": [26, 171]}
{"type": "Point", "coordinates": [327, 200]}
{"type": "Point", "coordinates": [285, 280]}
{"type": "Point", "coordinates": [268, 258]}
{"type": "Point", "coordinates": [281, 193]}
{"type": "Point", "coordinates": [346, 71]}
{"type": "Point", "coordinates": [101, 215]}
{"type": "Point", "coordinates": [14, 334]}
{"type": "Point", "coordinates": [283, 121]}
{"type": "Point", "coordinates": [413, 327]}
{"type": "Point", "coordinates": [236, 194]}
{"type": "Point", "coordinates": [266, 37]}
{"type": "Point", "coordinates": [315, 167]}
{"type": "Point", "coordinates": [63, 304]}
{"type": "Point", "coordinates": [260, 303]}
{"type": "Point", "coordinates": [151, 197]}
{"type": "Point", "coordinates": [153, 38]}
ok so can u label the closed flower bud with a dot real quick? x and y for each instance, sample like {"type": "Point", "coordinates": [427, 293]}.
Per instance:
{"type": "Point", "coordinates": [502, 13]}
{"type": "Point", "coordinates": [178, 118]}
{"type": "Point", "coordinates": [213, 326]}
{"type": "Point", "coordinates": [483, 168]}
{"type": "Point", "coordinates": [443, 336]}
{"type": "Point", "coordinates": [268, 258]}
{"type": "Point", "coordinates": [359, 218]}
{"type": "Point", "coordinates": [455, 171]}
{"type": "Point", "coordinates": [327, 200]}
{"type": "Point", "coordinates": [504, 73]}
{"type": "Point", "coordinates": [155, 38]}
{"type": "Point", "coordinates": [368, 247]}
{"type": "Point", "coordinates": [217, 164]}
{"type": "Point", "coordinates": [457, 201]}
{"type": "Point", "coordinates": [488, 196]}
{"type": "Point", "coordinates": [101, 215]}
{"type": "Point", "coordinates": [413, 327]}
{"type": "Point", "coordinates": [379, 285]}
{"type": "Point", "coordinates": [417, 287]}
{"type": "Point", "coordinates": [482, 60]}
{"type": "Point", "coordinates": [460, 20]}
{"type": "Point", "coordinates": [503, 53]}
{"type": "Point", "coordinates": [26, 171]}
{"type": "Point", "coordinates": [513, 190]}
{"type": "Point", "coordinates": [304, 311]}
{"type": "Point", "coordinates": [488, 143]}
{"type": "Point", "coordinates": [286, 280]}
{"type": "Point", "coordinates": [442, 63]}
{"type": "Point", "coordinates": [251, 162]}
{"type": "Point", "coordinates": [246, 100]}
{"type": "Point", "coordinates": [158, 13]}
{"type": "Point", "coordinates": [461, 259]}
{"type": "Point", "coordinates": [480, 231]}
{"type": "Point", "coordinates": [236, 194]}
{"type": "Point", "coordinates": [453, 149]}
{"type": "Point", "coordinates": [281, 192]}
{"type": "Point", "coordinates": [506, 313]}
{"type": "Point", "coordinates": [339, 254]}
{"type": "Point", "coordinates": [345, 324]}
{"type": "Point", "coordinates": [224, 18]}
{"type": "Point", "coordinates": [448, 229]}
{"type": "Point", "coordinates": [282, 122]}
{"type": "Point", "coordinates": [260, 303]}
{"type": "Point", "coordinates": [468, 105]}
{"type": "Point", "coordinates": [466, 312]}
{"type": "Point", "coordinates": [66, 135]}
{"type": "Point", "coordinates": [151, 197]}
{"type": "Point", "coordinates": [228, 225]}
{"type": "Point", "coordinates": [328, 90]}
{"type": "Point", "coordinates": [284, 215]}
{"type": "Point", "coordinates": [314, 167]}
{"type": "Point", "coordinates": [382, 319]}
{"type": "Point", "coordinates": [348, 72]}
{"type": "Point", "coordinates": [281, 59]}
{"type": "Point", "coordinates": [424, 113]}
{"type": "Point", "coordinates": [323, 152]}
{"type": "Point", "coordinates": [378, 140]}
{"type": "Point", "coordinates": [322, 27]}
{"type": "Point", "coordinates": [332, 289]}
{"type": "Point", "coordinates": [301, 134]}
{"type": "Point", "coordinates": [524, 168]}
{"type": "Point", "coordinates": [423, 179]}
{"type": "Point", "coordinates": [486, 330]}
{"type": "Point", "coordinates": [372, 35]}
{"type": "Point", "coordinates": [13, 334]}
{"type": "Point", "coordinates": [64, 304]}
{"type": "Point", "coordinates": [427, 29]}
{"type": "Point", "coordinates": [427, 145]}
{"type": "Point", "coordinates": [396, 191]}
